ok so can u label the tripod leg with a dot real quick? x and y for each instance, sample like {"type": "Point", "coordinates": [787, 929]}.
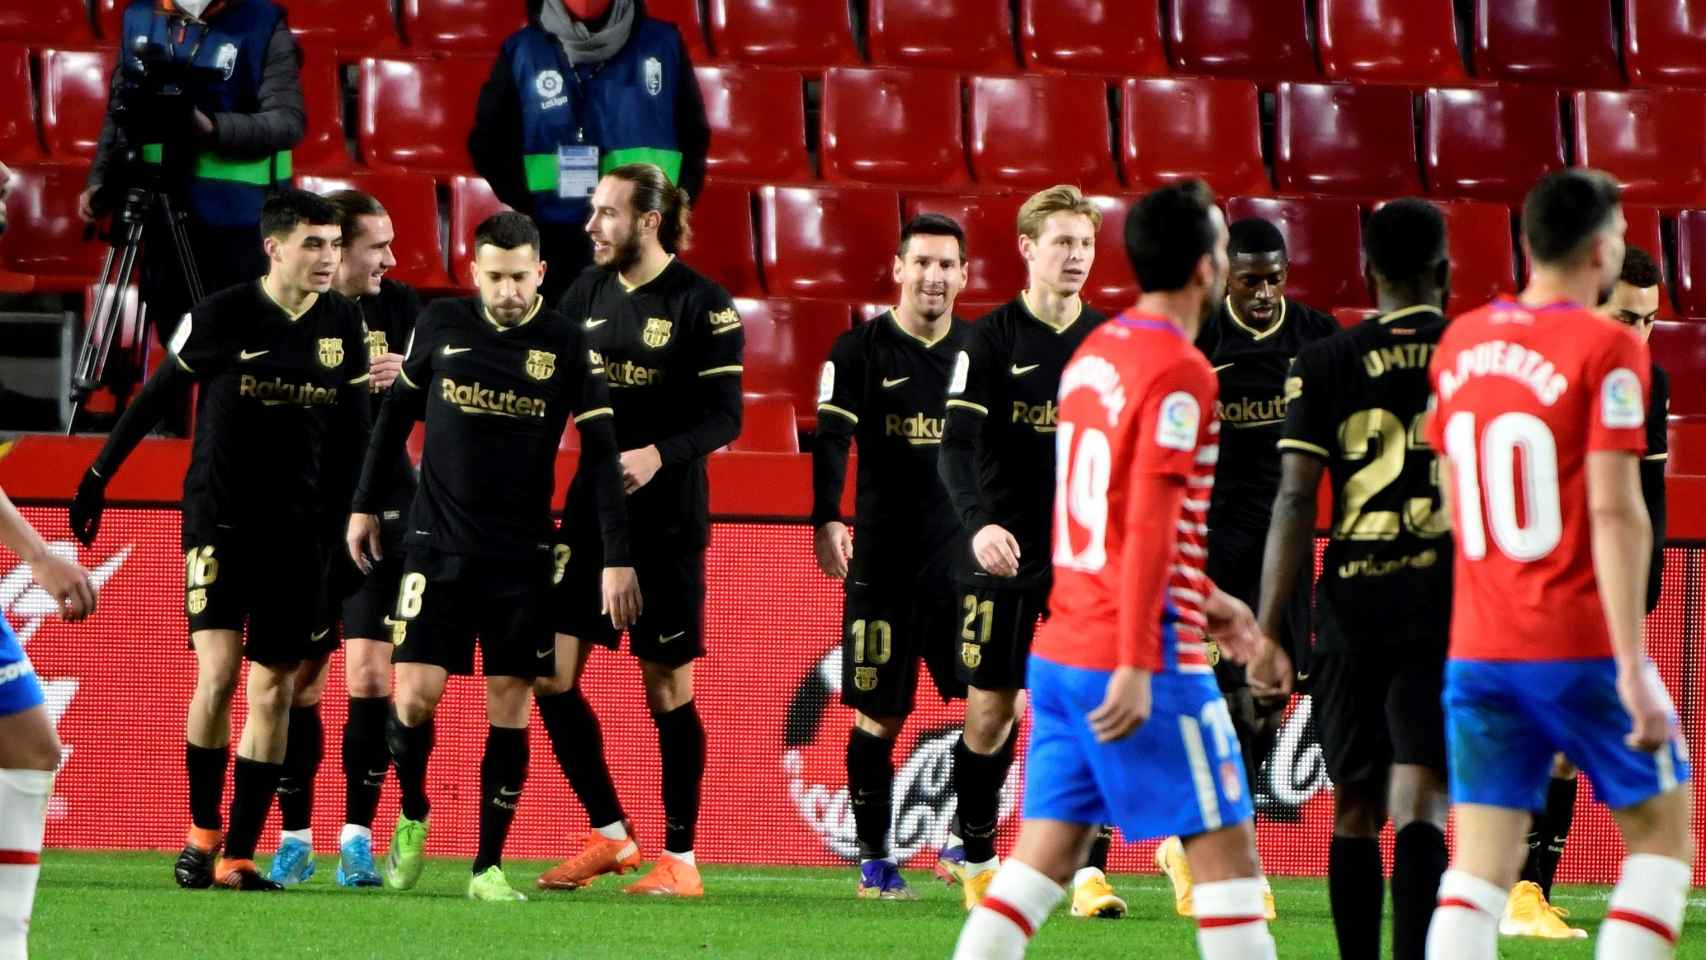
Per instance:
{"type": "Point", "coordinates": [186, 253]}
{"type": "Point", "coordinates": [107, 321]}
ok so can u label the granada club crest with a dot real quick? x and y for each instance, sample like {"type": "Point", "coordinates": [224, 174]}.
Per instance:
{"type": "Point", "coordinates": [656, 332]}
{"type": "Point", "coordinates": [331, 351]}
{"type": "Point", "coordinates": [654, 76]}
{"type": "Point", "coordinates": [814, 763]}
{"type": "Point", "coordinates": [541, 364]}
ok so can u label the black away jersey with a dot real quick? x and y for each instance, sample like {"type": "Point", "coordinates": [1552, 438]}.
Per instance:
{"type": "Point", "coordinates": [1358, 400]}
{"type": "Point", "coordinates": [1653, 477]}
{"type": "Point", "coordinates": [390, 316]}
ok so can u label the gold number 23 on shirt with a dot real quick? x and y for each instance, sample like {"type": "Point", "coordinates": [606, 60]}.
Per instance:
{"type": "Point", "coordinates": [1381, 438]}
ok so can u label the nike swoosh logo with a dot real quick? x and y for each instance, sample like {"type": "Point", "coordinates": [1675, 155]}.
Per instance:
{"type": "Point", "coordinates": [452, 351]}
{"type": "Point", "coordinates": [507, 792]}
{"type": "Point", "coordinates": [1223, 366]}
{"type": "Point", "coordinates": [376, 773]}
{"type": "Point", "coordinates": [251, 354]}
{"type": "Point", "coordinates": [673, 636]}
{"type": "Point", "coordinates": [1019, 371]}
{"type": "Point", "coordinates": [890, 384]}
{"type": "Point", "coordinates": [542, 654]}
{"type": "Point", "coordinates": [594, 324]}
{"type": "Point", "coordinates": [321, 634]}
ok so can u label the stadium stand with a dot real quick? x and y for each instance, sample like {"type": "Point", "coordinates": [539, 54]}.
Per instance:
{"type": "Point", "coordinates": [1260, 39]}
{"type": "Point", "coordinates": [1091, 36]}
{"type": "Point", "coordinates": [1389, 41]}
{"type": "Point", "coordinates": [1691, 264]}
{"type": "Point", "coordinates": [725, 247]}
{"type": "Point", "coordinates": [74, 100]}
{"type": "Point", "coordinates": [461, 26]}
{"type": "Point", "coordinates": [1037, 130]}
{"type": "Point", "coordinates": [366, 26]}
{"type": "Point", "coordinates": [1112, 285]}
{"type": "Point", "coordinates": [415, 114]}
{"type": "Point", "coordinates": [828, 243]}
{"type": "Point", "coordinates": [1345, 139]}
{"type": "Point", "coordinates": [768, 425]}
{"type": "Point", "coordinates": [1567, 42]}
{"type": "Point", "coordinates": [1680, 347]}
{"type": "Point", "coordinates": [956, 34]}
{"type": "Point", "coordinates": [1663, 44]}
{"type": "Point", "coordinates": [46, 21]}
{"type": "Point", "coordinates": [789, 33]}
{"type": "Point", "coordinates": [1177, 128]}
{"type": "Point", "coordinates": [325, 146]}
{"type": "Point", "coordinates": [18, 140]}
{"type": "Point", "coordinates": [786, 343]}
{"type": "Point", "coordinates": [1490, 143]}
{"type": "Point", "coordinates": [1652, 141]}
{"type": "Point", "coordinates": [471, 201]}
{"type": "Point", "coordinates": [758, 123]}
{"type": "Point", "coordinates": [44, 236]}
{"type": "Point", "coordinates": [688, 20]}
{"type": "Point", "coordinates": [892, 126]}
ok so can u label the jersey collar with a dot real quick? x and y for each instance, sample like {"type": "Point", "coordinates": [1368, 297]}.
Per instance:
{"type": "Point", "coordinates": [1386, 318]}
{"type": "Point", "coordinates": [533, 311]}
{"type": "Point", "coordinates": [1252, 331]}
{"type": "Point", "coordinates": [1025, 301]}
{"type": "Point", "coordinates": [630, 289]}
{"type": "Point", "coordinates": [895, 321]}
{"type": "Point", "coordinates": [1148, 321]}
{"type": "Point", "coordinates": [289, 314]}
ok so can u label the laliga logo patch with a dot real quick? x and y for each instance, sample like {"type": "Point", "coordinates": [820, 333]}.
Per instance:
{"type": "Point", "coordinates": [1176, 428]}
{"type": "Point", "coordinates": [1620, 399]}
{"type": "Point", "coordinates": [549, 85]}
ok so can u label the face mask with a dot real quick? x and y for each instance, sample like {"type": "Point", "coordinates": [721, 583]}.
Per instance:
{"type": "Point", "coordinates": [587, 9]}
{"type": "Point", "coordinates": [194, 8]}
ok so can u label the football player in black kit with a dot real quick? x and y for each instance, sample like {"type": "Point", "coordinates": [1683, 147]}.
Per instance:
{"type": "Point", "coordinates": [1250, 341]}
{"type": "Point", "coordinates": [1634, 302]}
{"type": "Point", "coordinates": [282, 414]}
{"type": "Point", "coordinates": [496, 378]}
{"type": "Point", "coordinates": [1356, 406]}
{"type": "Point", "coordinates": [672, 345]}
{"type": "Point", "coordinates": [389, 308]}
{"type": "Point", "coordinates": [883, 387]}
{"type": "Point", "coordinates": [997, 463]}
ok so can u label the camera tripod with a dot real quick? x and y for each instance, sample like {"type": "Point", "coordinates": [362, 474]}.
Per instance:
{"type": "Point", "coordinates": [106, 322]}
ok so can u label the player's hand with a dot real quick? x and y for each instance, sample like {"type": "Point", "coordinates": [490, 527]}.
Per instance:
{"type": "Point", "coordinates": [67, 583]}
{"type": "Point", "coordinates": [86, 507]}
{"type": "Point", "coordinates": [1638, 688]}
{"type": "Point", "coordinates": [86, 205]}
{"type": "Point", "coordinates": [1269, 671]}
{"type": "Point", "coordinates": [834, 548]}
{"type": "Point", "coordinates": [362, 538]}
{"type": "Point", "coordinates": [384, 369]}
{"type": "Point", "coordinates": [996, 551]}
{"type": "Point", "coordinates": [639, 467]}
{"type": "Point", "coordinates": [1125, 707]}
{"type": "Point", "coordinates": [622, 601]}
{"type": "Point", "coordinates": [1232, 626]}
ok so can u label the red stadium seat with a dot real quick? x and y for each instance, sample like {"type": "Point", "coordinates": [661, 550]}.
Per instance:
{"type": "Point", "coordinates": [1034, 131]}
{"type": "Point", "coordinates": [1092, 36]}
{"type": "Point", "coordinates": [471, 201]}
{"type": "Point", "coordinates": [1112, 286]}
{"type": "Point", "coordinates": [1680, 347]}
{"type": "Point", "coordinates": [358, 26]}
{"type": "Point", "coordinates": [829, 243]}
{"type": "Point", "coordinates": [1690, 263]}
{"type": "Point", "coordinates": [1483, 255]}
{"type": "Point", "coordinates": [324, 147]}
{"type": "Point", "coordinates": [412, 202]}
{"type": "Point", "coordinates": [74, 100]}
{"type": "Point", "coordinates": [790, 33]}
{"type": "Point", "coordinates": [1664, 43]}
{"type": "Point", "coordinates": [1390, 41]}
{"type": "Point", "coordinates": [768, 425]}
{"type": "Point", "coordinates": [1179, 128]}
{"type": "Point", "coordinates": [970, 310]}
{"type": "Point", "coordinates": [45, 21]}
{"type": "Point", "coordinates": [1261, 39]}
{"type": "Point", "coordinates": [18, 142]}
{"type": "Point", "coordinates": [461, 26]}
{"type": "Point", "coordinates": [758, 123]}
{"type": "Point", "coordinates": [787, 342]}
{"type": "Point", "coordinates": [45, 237]}
{"type": "Point", "coordinates": [1345, 139]}
{"type": "Point", "coordinates": [724, 246]}
{"type": "Point", "coordinates": [997, 272]}
{"type": "Point", "coordinates": [1652, 141]}
{"type": "Point", "coordinates": [415, 114]}
{"type": "Point", "coordinates": [892, 126]}
{"type": "Point", "coordinates": [1645, 231]}
{"type": "Point", "coordinates": [959, 35]}
{"type": "Point", "coordinates": [685, 15]}
{"type": "Point", "coordinates": [1351, 316]}
{"type": "Point", "coordinates": [1490, 143]}
{"type": "Point", "coordinates": [1323, 236]}
{"type": "Point", "coordinates": [1566, 42]}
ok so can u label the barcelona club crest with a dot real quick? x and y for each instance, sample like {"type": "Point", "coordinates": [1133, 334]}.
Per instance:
{"type": "Point", "coordinates": [196, 601]}
{"type": "Point", "coordinates": [971, 655]}
{"type": "Point", "coordinates": [331, 351]}
{"type": "Point", "coordinates": [377, 343]}
{"type": "Point", "coordinates": [865, 679]}
{"type": "Point", "coordinates": [541, 364]}
{"type": "Point", "coordinates": [656, 333]}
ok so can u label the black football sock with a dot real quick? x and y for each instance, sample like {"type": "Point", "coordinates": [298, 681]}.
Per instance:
{"type": "Point", "coordinates": [503, 770]}
{"type": "Point", "coordinates": [1418, 862]}
{"type": "Point", "coordinates": [366, 758]}
{"type": "Point", "coordinates": [1099, 848]}
{"type": "Point", "coordinates": [206, 769]}
{"type": "Point", "coordinates": [253, 784]}
{"type": "Point", "coordinates": [578, 744]}
{"type": "Point", "coordinates": [1356, 891]}
{"type": "Point", "coordinates": [870, 790]}
{"type": "Point", "coordinates": [1560, 813]}
{"type": "Point", "coordinates": [304, 747]}
{"type": "Point", "coordinates": [978, 779]}
{"type": "Point", "coordinates": [410, 748]}
{"type": "Point", "coordinates": [681, 748]}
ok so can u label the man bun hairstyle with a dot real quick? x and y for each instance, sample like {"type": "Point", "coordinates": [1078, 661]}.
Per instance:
{"type": "Point", "coordinates": [653, 191]}
{"type": "Point", "coordinates": [1060, 198]}
{"type": "Point", "coordinates": [1168, 232]}
{"type": "Point", "coordinates": [284, 209]}
{"type": "Point", "coordinates": [507, 230]}
{"type": "Point", "coordinates": [1564, 211]}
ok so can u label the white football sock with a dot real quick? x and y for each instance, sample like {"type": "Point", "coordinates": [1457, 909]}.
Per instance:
{"type": "Point", "coordinates": [306, 836]}
{"type": "Point", "coordinates": [1230, 922]}
{"type": "Point", "coordinates": [353, 830]}
{"type": "Point", "coordinates": [1644, 919]}
{"type": "Point", "coordinates": [613, 831]}
{"type": "Point", "coordinates": [1020, 898]}
{"type": "Point", "coordinates": [1466, 920]}
{"type": "Point", "coordinates": [686, 858]}
{"type": "Point", "coordinates": [23, 818]}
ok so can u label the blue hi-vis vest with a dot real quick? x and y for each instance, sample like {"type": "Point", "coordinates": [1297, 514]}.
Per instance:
{"type": "Point", "coordinates": [227, 57]}
{"type": "Point", "coordinates": [625, 107]}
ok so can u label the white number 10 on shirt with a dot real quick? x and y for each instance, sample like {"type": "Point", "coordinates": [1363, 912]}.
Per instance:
{"type": "Point", "coordinates": [1491, 464]}
{"type": "Point", "coordinates": [1081, 497]}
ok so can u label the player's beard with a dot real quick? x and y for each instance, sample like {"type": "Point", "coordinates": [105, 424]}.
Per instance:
{"type": "Point", "coordinates": [929, 313]}
{"type": "Point", "coordinates": [624, 254]}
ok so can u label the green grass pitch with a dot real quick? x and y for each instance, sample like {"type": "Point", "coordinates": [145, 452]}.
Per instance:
{"type": "Point", "coordinates": [125, 905]}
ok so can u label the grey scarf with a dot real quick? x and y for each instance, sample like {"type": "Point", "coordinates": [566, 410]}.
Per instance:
{"type": "Point", "coordinates": [580, 43]}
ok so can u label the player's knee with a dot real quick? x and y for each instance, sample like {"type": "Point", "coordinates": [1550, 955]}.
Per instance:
{"type": "Point", "coordinates": [369, 680]}
{"type": "Point", "coordinates": [886, 727]}
{"type": "Point", "coordinates": [37, 749]}
{"type": "Point", "coordinates": [216, 687]}
{"type": "Point", "coordinates": [1359, 810]}
{"type": "Point", "coordinates": [667, 687]}
{"type": "Point", "coordinates": [989, 720]}
{"type": "Point", "coordinates": [269, 698]}
{"type": "Point", "coordinates": [553, 685]}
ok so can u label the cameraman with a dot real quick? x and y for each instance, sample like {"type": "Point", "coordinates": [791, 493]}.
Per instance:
{"type": "Point", "coordinates": [216, 148]}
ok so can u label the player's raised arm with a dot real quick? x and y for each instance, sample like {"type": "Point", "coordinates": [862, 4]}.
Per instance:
{"type": "Point", "coordinates": [840, 400]}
